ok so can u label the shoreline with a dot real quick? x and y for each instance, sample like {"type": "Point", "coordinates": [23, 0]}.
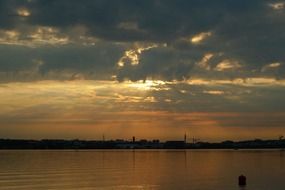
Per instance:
{"type": "Point", "coordinates": [76, 144]}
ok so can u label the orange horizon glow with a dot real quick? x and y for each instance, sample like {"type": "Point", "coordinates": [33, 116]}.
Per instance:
{"type": "Point", "coordinates": [87, 109]}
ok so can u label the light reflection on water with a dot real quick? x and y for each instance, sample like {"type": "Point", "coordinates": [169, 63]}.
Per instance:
{"type": "Point", "coordinates": [142, 169]}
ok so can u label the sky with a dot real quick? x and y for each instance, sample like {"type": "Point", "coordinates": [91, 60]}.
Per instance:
{"type": "Point", "coordinates": [154, 69]}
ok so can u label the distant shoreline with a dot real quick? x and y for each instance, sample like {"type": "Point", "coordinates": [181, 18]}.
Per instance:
{"type": "Point", "coordinates": [60, 144]}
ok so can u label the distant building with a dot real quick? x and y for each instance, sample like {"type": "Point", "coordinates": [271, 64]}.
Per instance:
{"type": "Point", "coordinates": [174, 144]}
{"type": "Point", "coordinates": [155, 141]}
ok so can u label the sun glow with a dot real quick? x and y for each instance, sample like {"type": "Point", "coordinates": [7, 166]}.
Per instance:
{"type": "Point", "coordinates": [145, 85]}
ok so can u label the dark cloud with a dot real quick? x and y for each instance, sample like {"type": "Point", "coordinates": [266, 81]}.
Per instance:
{"type": "Point", "coordinates": [64, 62]}
{"type": "Point", "coordinates": [160, 63]}
{"type": "Point", "coordinates": [156, 20]}
{"type": "Point", "coordinates": [250, 33]}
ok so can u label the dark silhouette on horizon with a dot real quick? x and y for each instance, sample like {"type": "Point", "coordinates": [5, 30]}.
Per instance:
{"type": "Point", "coordinates": [137, 144]}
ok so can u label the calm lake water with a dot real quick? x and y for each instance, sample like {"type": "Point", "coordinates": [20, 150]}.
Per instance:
{"type": "Point", "coordinates": [142, 169]}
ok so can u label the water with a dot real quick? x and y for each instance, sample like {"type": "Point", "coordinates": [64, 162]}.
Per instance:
{"type": "Point", "coordinates": [142, 169]}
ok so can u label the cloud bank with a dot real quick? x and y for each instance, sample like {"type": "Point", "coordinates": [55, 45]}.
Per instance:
{"type": "Point", "coordinates": [242, 37]}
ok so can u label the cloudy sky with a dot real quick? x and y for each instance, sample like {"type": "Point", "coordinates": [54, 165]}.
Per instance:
{"type": "Point", "coordinates": [150, 69]}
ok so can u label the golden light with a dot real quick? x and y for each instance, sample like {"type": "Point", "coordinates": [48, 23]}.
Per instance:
{"type": "Point", "coordinates": [271, 66]}
{"type": "Point", "coordinates": [204, 62]}
{"type": "Point", "coordinates": [227, 65]}
{"type": "Point", "coordinates": [200, 37]}
{"type": "Point", "coordinates": [214, 92]}
{"type": "Point", "coordinates": [23, 12]}
{"type": "Point", "coordinates": [274, 65]}
{"type": "Point", "coordinates": [120, 63]}
{"type": "Point", "coordinates": [133, 55]}
{"type": "Point", "coordinates": [48, 35]}
{"type": "Point", "coordinates": [277, 6]}
{"type": "Point", "coordinates": [11, 34]}
{"type": "Point", "coordinates": [145, 85]}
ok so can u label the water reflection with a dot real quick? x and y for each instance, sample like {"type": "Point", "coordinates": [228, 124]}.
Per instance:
{"type": "Point", "coordinates": [141, 169]}
{"type": "Point", "coordinates": [242, 188]}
